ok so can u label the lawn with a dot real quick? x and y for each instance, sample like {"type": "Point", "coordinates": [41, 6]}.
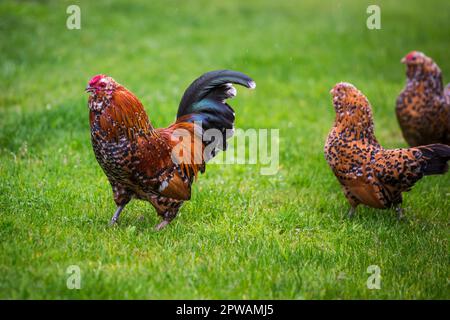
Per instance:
{"type": "Point", "coordinates": [243, 235]}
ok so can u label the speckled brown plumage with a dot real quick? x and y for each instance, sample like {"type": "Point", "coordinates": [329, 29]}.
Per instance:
{"type": "Point", "coordinates": [423, 107]}
{"type": "Point", "coordinates": [368, 173]}
{"type": "Point", "coordinates": [137, 158]}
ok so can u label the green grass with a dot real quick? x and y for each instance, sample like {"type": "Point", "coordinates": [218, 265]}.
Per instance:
{"type": "Point", "coordinates": [243, 235]}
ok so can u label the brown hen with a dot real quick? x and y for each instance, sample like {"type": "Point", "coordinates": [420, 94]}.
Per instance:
{"type": "Point", "coordinates": [159, 165]}
{"type": "Point", "coordinates": [368, 173]}
{"type": "Point", "coordinates": [423, 107]}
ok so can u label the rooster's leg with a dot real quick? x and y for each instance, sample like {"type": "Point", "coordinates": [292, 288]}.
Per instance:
{"type": "Point", "coordinates": [162, 225]}
{"type": "Point", "coordinates": [116, 215]}
{"type": "Point", "coordinates": [167, 212]}
{"type": "Point", "coordinates": [167, 216]}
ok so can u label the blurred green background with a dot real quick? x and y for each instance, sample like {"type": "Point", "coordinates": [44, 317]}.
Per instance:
{"type": "Point", "coordinates": [243, 235]}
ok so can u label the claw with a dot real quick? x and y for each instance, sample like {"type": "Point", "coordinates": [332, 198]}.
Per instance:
{"type": "Point", "coordinates": [112, 222]}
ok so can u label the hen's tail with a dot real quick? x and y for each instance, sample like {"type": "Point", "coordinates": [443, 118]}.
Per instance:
{"type": "Point", "coordinates": [204, 101]}
{"type": "Point", "coordinates": [437, 156]}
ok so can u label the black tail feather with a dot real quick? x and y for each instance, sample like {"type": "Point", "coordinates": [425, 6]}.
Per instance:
{"type": "Point", "coordinates": [437, 156]}
{"type": "Point", "coordinates": [205, 101]}
{"type": "Point", "coordinates": [215, 85]}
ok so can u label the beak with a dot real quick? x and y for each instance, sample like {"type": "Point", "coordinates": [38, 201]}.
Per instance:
{"type": "Point", "coordinates": [403, 60]}
{"type": "Point", "coordinates": [89, 89]}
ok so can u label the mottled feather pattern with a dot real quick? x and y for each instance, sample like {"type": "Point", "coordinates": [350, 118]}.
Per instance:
{"type": "Point", "coordinates": [447, 94]}
{"type": "Point", "coordinates": [423, 108]}
{"type": "Point", "coordinates": [137, 158]}
{"type": "Point", "coordinates": [370, 174]}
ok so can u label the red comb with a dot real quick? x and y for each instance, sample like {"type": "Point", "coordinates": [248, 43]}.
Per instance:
{"type": "Point", "coordinates": [95, 79]}
{"type": "Point", "coordinates": [410, 55]}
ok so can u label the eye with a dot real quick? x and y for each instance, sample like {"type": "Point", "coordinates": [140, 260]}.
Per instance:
{"type": "Point", "coordinates": [102, 84]}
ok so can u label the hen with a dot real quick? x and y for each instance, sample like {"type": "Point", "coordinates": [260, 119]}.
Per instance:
{"type": "Point", "coordinates": [423, 107]}
{"type": "Point", "coordinates": [368, 173]}
{"type": "Point", "coordinates": [159, 165]}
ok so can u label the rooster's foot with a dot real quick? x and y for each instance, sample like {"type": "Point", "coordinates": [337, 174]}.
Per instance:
{"type": "Point", "coordinates": [161, 225]}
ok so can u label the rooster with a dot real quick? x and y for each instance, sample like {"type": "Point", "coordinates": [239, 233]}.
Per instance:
{"type": "Point", "coordinates": [368, 173]}
{"type": "Point", "coordinates": [423, 107]}
{"type": "Point", "coordinates": [146, 163]}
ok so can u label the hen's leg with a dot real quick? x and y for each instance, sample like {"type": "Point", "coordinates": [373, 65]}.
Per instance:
{"type": "Point", "coordinates": [352, 200]}
{"type": "Point", "coordinates": [400, 215]}
{"type": "Point", "coordinates": [397, 204]}
{"type": "Point", "coordinates": [351, 212]}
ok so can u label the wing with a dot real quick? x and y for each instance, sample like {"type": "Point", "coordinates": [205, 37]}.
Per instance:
{"type": "Point", "coordinates": [352, 164]}
{"type": "Point", "coordinates": [167, 161]}
{"type": "Point", "coordinates": [399, 169]}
